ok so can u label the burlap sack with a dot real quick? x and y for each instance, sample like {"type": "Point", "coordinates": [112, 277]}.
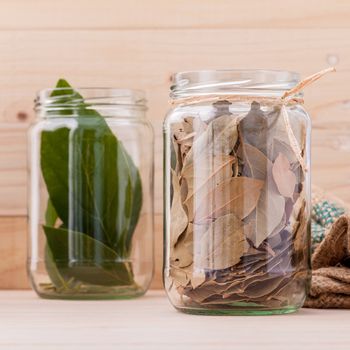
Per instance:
{"type": "Point", "coordinates": [330, 287]}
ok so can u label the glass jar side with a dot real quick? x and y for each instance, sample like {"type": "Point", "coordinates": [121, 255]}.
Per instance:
{"type": "Point", "coordinates": [237, 208]}
{"type": "Point", "coordinates": [91, 207]}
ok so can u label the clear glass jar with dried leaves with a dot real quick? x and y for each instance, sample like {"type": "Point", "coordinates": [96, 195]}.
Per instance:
{"type": "Point", "coordinates": [237, 193]}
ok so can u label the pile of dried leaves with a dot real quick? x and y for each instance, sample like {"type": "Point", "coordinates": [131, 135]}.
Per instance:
{"type": "Point", "coordinates": [238, 214]}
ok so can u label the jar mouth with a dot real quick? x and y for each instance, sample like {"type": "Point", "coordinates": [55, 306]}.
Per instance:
{"type": "Point", "coordinates": [252, 82]}
{"type": "Point", "coordinates": [61, 99]}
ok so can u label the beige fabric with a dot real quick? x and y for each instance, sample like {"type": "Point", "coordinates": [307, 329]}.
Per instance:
{"type": "Point", "coordinates": [330, 287]}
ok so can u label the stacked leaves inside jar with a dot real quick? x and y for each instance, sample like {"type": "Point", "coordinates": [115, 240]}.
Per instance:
{"type": "Point", "coordinates": [239, 220]}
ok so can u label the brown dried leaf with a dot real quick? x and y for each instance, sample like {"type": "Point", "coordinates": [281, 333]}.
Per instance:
{"type": "Point", "coordinates": [182, 139]}
{"type": "Point", "coordinates": [299, 225]}
{"type": "Point", "coordinates": [219, 138]}
{"type": "Point", "coordinates": [182, 252]}
{"type": "Point", "coordinates": [279, 146]}
{"type": "Point", "coordinates": [269, 213]}
{"type": "Point", "coordinates": [207, 172]}
{"type": "Point", "coordinates": [222, 245]}
{"type": "Point", "coordinates": [188, 125]}
{"type": "Point", "coordinates": [263, 286]}
{"type": "Point", "coordinates": [177, 132]}
{"type": "Point", "coordinates": [255, 163]}
{"type": "Point", "coordinates": [253, 128]}
{"type": "Point", "coordinates": [196, 124]}
{"type": "Point", "coordinates": [182, 255]}
{"type": "Point", "coordinates": [178, 216]}
{"type": "Point", "coordinates": [237, 195]}
{"type": "Point", "coordinates": [197, 278]}
{"type": "Point", "coordinates": [278, 139]}
{"type": "Point", "coordinates": [285, 179]}
{"type": "Point", "coordinates": [298, 208]}
{"type": "Point", "coordinates": [180, 276]}
{"type": "Point", "coordinates": [188, 276]}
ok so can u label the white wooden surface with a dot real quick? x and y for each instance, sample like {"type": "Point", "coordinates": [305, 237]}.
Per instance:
{"type": "Point", "coordinates": [27, 322]}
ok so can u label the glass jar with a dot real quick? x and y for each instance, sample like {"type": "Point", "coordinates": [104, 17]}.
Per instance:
{"type": "Point", "coordinates": [91, 194]}
{"type": "Point", "coordinates": [237, 193]}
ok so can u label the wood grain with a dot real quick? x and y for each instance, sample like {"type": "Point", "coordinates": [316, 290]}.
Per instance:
{"type": "Point", "coordinates": [158, 14]}
{"type": "Point", "coordinates": [151, 323]}
{"type": "Point", "coordinates": [13, 169]}
{"type": "Point", "coordinates": [146, 59]}
{"type": "Point", "coordinates": [13, 252]}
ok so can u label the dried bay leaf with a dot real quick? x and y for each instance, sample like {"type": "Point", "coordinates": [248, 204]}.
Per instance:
{"type": "Point", "coordinates": [237, 195]}
{"type": "Point", "coordinates": [187, 125]}
{"type": "Point", "coordinates": [222, 245]}
{"type": "Point", "coordinates": [206, 290]}
{"type": "Point", "coordinates": [300, 226]}
{"type": "Point", "coordinates": [253, 128]}
{"type": "Point", "coordinates": [182, 255]}
{"type": "Point", "coordinates": [207, 171]}
{"type": "Point", "coordinates": [220, 300]}
{"type": "Point", "coordinates": [255, 163]}
{"type": "Point", "coordinates": [279, 146]}
{"type": "Point", "coordinates": [238, 288]}
{"type": "Point", "coordinates": [263, 287]}
{"type": "Point", "coordinates": [269, 213]}
{"type": "Point", "coordinates": [178, 216]}
{"type": "Point", "coordinates": [182, 139]}
{"type": "Point", "coordinates": [278, 134]}
{"type": "Point", "coordinates": [197, 278]}
{"type": "Point", "coordinates": [182, 252]}
{"type": "Point", "coordinates": [176, 133]}
{"type": "Point", "coordinates": [284, 178]}
{"type": "Point", "coordinates": [181, 258]}
{"type": "Point", "coordinates": [297, 211]}
{"type": "Point", "coordinates": [188, 276]}
{"type": "Point", "coordinates": [180, 276]}
{"type": "Point", "coordinates": [196, 124]}
{"type": "Point", "coordinates": [219, 138]}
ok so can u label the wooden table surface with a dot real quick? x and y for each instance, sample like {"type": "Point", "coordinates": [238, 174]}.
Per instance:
{"type": "Point", "coordinates": [27, 322]}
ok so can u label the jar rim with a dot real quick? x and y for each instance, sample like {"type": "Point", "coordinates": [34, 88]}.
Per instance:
{"type": "Point", "coordinates": [92, 96]}
{"type": "Point", "coordinates": [261, 82]}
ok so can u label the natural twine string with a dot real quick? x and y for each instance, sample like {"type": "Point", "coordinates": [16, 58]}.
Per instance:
{"type": "Point", "coordinates": [283, 101]}
{"type": "Point", "coordinates": [293, 141]}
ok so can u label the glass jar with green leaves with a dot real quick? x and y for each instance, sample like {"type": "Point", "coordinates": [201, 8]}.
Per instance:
{"type": "Point", "coordinates": [91, 194]}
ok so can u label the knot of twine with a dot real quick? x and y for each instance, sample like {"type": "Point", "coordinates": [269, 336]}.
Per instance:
{"type": "Point", "coordinates": [283, 101]}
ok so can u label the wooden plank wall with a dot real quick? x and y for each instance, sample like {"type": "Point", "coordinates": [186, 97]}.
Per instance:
{"type": "Point", "coordinates": [139, 44]}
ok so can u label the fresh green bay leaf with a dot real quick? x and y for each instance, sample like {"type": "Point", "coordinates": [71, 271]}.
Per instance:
{"type": "Point", "coordinates": [94, 186]}
{"type": "Point", "coordinates": [50, 214]}
{"type": "Point", "coordinates": [85, 259]}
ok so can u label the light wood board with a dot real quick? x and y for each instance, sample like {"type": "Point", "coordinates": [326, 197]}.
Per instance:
{"type": "Point", "coordinates": [151, 323]}
{"type": "Point", "coordinates": [140, 14]}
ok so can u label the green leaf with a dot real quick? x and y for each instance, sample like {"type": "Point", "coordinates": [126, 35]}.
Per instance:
{"type": "Point", "coordinates": [50, 214]}
{"type": "Point", "coordinates": [93, 184]}
{"type": "Point", "coordinates": [93, 263]}
{"type": "Point", "coordinates": [56, 278]}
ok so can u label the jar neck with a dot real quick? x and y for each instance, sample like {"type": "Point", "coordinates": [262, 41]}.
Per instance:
{"type": "Point", "coordinates": [107, 102]}
{"type": "Point", "coordinates": [260, 83]}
